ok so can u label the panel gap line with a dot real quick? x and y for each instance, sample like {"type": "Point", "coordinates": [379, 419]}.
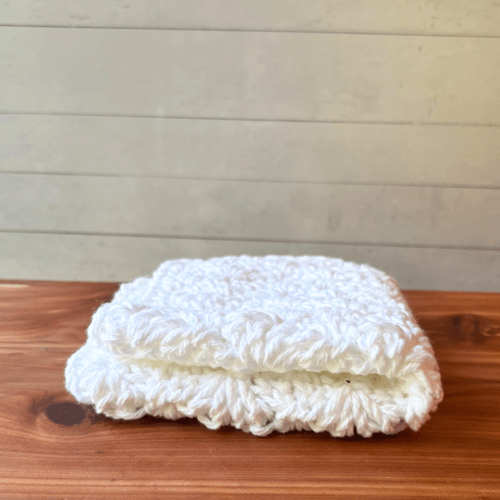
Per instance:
{"type": "Point", "coordinates": [236, 30]}
{"type": "Point", "coordinates": [254, 240]}
{"type": "Point", "coordinates": [266, 120]}
{"type": "Point", "coordinates": [260, 181]}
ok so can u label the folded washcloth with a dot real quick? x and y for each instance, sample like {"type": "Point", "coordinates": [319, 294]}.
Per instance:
{"type": "Point", "coordinates": [262, 344]}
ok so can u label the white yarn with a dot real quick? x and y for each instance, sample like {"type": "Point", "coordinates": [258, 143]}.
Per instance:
{"type": "Point", "coordinates": [262, 344]}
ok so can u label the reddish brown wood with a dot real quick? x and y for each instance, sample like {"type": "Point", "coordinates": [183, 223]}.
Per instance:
{"type": "Point", "coordinates": [455, 455]}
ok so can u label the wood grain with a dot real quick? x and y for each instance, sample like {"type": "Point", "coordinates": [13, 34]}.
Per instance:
{"type": "Point", "coordinates": [251, 75]}
{"type": "Point", "coordinates": [481, 18]}
{"type": "Point", "coordinates": [455, 455]}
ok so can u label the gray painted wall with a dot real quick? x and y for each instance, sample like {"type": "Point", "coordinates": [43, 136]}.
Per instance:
{"type": "Point", "coordinates": [138, 131]}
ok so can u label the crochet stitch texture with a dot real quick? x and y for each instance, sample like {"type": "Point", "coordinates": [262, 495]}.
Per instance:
{"type": "Point", "coordinates": [262, 344]}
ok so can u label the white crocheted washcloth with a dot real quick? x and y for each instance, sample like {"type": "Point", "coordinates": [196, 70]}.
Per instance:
{"type": "Point", "coordinates": [262, 344]}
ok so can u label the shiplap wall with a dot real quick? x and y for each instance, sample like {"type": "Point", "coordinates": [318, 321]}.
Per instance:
{"type": "Point", "coordinates": [136, 131]}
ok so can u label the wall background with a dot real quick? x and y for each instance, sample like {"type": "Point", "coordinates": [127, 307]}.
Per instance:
{"type": "Point", "coordinates": [136, 131]}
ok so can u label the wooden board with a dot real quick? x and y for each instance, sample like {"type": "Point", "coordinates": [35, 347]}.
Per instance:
{"type": "Point", "coordinates": [453, 17]}
{"type": "Point", "coordinates": [269, 211]}
{"type": "Point", "coordinates": [357, 153]}
{"type": "Point", "coordinates": [51, 448]}
{"type": "Point", "coordinates": [251, 75]}
{"type": "Point", "coordinates": [73, 257]}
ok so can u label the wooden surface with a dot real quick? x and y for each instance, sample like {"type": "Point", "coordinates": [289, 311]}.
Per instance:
{"type": "Point", "coordinates": [51, 448]}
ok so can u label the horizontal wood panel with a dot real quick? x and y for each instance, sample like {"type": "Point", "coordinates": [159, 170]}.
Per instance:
{"type": "Point", "coordinates": [111, 258]}
{"type": "Point", "coordinates": [250, 75]}
{"type": "Point", "coordinates": [481, 17]}
{"type": "Point", "coordinates": [327, 213]}
{"type": "Point", "coordinates": [178, 207]}
{"type": "Point", "coordinates": [258, 150]}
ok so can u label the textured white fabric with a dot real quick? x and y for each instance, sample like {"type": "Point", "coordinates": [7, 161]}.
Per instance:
{"type": "Point", "coordinates": [262, 344]}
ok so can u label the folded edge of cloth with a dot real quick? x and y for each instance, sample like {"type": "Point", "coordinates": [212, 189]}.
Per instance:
{"type": "Point", "coordinates": [260, 343]}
